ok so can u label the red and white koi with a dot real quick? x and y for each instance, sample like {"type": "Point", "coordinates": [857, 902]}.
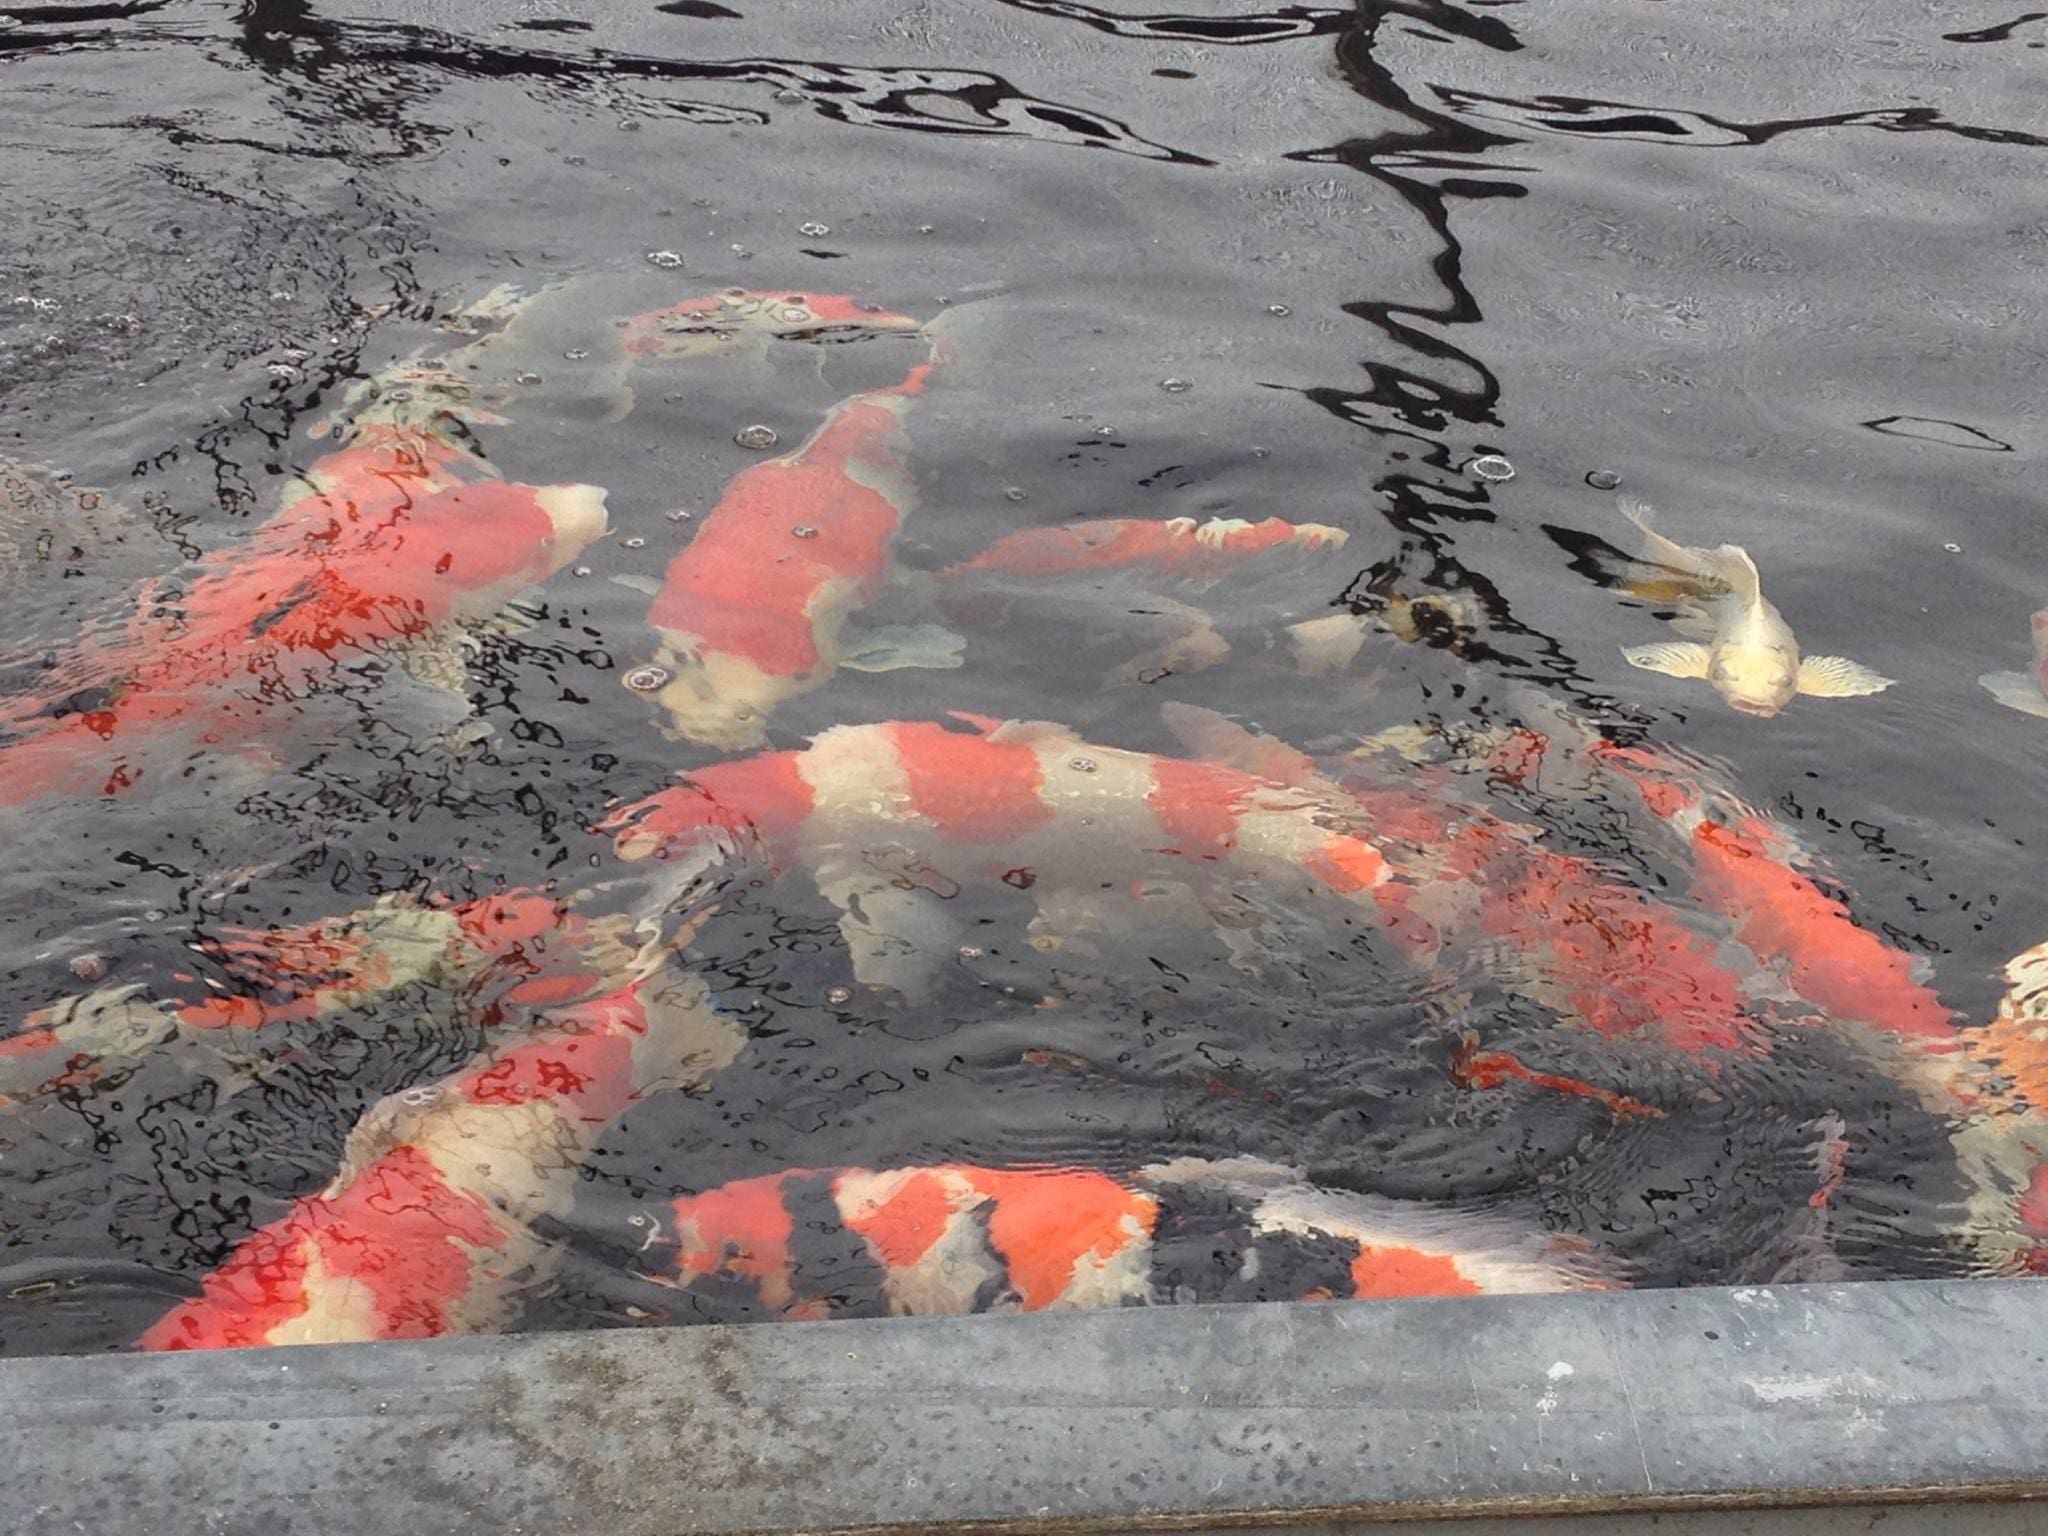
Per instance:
{"type": "Point", "coordinates": [750, 613]}
{"type": "Point", "coordinates": [517, 949]}
{"type": "Point", "coordinates": [383, 545]}
{"type": "Point", "coordinates": [1178, 548]}
{"type": "Point", "coordinates": [428, 1226]}
{"type": "Point", "coordinates": [982, 801]}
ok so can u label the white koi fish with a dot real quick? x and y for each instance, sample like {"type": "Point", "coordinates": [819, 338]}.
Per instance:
{"type": "Point", "coordinates": [1738, 641]}
{"type": "Point", "coordinates": [2024, 691]}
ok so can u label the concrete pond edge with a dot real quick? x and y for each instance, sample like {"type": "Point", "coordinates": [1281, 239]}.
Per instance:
{"type": "Point", "coordinates": [1165, 1418]}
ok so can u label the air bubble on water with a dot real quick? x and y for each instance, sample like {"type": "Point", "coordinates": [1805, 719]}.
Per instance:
{"type": "Point", "coordinates": [970, 951]}
{"type": "Point", "coordinates": [629, 125]}
{"type": "Point", "coordinates": [635, 543]}
{"type": "Point", "coordinates": [1602, 479]}
{"type": "Point", "coordinates": [794, 315]}
{"type": "Point", "coordinates": [1954, 549]}
{"type": "Point", "coordinates": [667, 259]}
{"type": "Point", "coordinates": [421, 1097]}
{"type": "Point", "coordinates": [1015, 493]}
{"type": "Point", "coordinates": [1261, 453]}
{"type": "Point", "coordinates": [813, 228]}
{"type": "Point", "coordinates": [1175, 386]}
{"type": "Point", "coordinates": [155, 915]}
{"type": "Point", "coordinates": [803, 531]}
{"type": "Point", "coordinates": [88, 967]}
{"type": "Point", "coordinates": [577, 354]}
{"type": "Point", "coordinates": [926, 229]}
{"type": "Point", "coordinates": [839, 997]}
{"type": "Point", "coordinates": [756, 437]}
{"type": "Point", "coordinates": [789, 98]}
{"type": "Point", "coordinates": [574, 160]}
{"type": "Point", "coordinates": [647, 679]}
{"type": "Point", "coordinates": [1491, 467]}
{"type": "Point", "coordinates": [1279, 311]}
{"type": "Point", "coordinates": [680, 515]}
{"type": "Point", "coordinates": [1082, 764]}
{"type": "Point", "coordinates": [1105, 431]}
{"type": "Point", "coordinates": [527, 378]}
{"type": "Point", "coordinates": [581, 570]}
{"type": "Point", "coordinates": [742, 252]}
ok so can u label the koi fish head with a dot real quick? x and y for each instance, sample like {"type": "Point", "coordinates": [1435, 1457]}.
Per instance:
{"type": "Point", "coordinates": [719, 698]}
{"type": "Point", "coordinates": [725, 321]}
{"type": "Point", "coordinates": [1754, 679]}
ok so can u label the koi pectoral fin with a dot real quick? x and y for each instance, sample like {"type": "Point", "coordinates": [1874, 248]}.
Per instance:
{"type": "Point", "coordinates": [897, 647]}
{"type": "Point", "coordinates": [1673, 658]}
{"type": "Point", "coordinates": [2016, 690]}
{"type": "Point", "coordinates": [1837, 677]}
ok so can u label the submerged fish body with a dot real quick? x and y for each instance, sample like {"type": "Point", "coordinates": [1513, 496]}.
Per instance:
{"type": "Point", "coordinates": [428, 1226]}
{"type": "Point", "coordinates": [388, 544]}
{"type": "Point", "coordinates": [953, 1238]}
{"type": "Point", "coordinates": [1178, 548]}
{"type": "Point", "coordinates": [574, 331]}
{"type": "Point", "coordinates": [750, 614]}
{"type": "Point", "coordinates": [1465, 882]}
{"type": "Point", "coordinates": [2025, 691]}
{"type": "Point", "coordinates": [974, 805]}
{"type": "Point", "coordinates": [1742, 644]}
{"type": "Point", "coordinates": [520, 948]}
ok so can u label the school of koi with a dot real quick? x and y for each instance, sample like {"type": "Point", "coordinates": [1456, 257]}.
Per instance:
{"type": "Point", "coordinates": [434, 1222]}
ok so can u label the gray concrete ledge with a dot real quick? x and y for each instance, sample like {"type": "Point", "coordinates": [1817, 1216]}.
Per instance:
{"type": "Point", "coordinates": [1683, 1401]}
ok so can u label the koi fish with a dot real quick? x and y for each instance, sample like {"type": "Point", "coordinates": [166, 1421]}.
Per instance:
{"type": "Point", "coordinates": [520, 948]}
{"type": "Point", "coordinates": [428, 1226]}
{"type": "Point", "coordinates": [308, 595]}
{"type": "Point", "coordinates": [1749, 653]}
{"type": "Point", "coordinates": [1176, 547]}
{"type": "Point", "coordinates": [752, 612]}
{"type": "Point", "coordinates": [881, 816]}
{"type": "Point", "coordinates": [1747, 870]}
{"type": "Point", "coordinates": [1551, 926]}
{"type": "Point", "coordinates": [956, 1238]}
{"type": "Point", "coordinates": [573, 330]}
{"type": "Point", "coordinates": [2024, 691]}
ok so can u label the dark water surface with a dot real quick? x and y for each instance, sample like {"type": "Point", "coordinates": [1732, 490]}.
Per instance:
{"type": "Point", "coordinates": [1780, 270]}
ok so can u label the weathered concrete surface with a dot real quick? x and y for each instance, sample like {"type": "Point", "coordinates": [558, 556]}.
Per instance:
{"type": "Point", "coordinates": [1105, 1421]}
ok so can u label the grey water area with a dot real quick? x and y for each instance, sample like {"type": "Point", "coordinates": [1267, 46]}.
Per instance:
{"type": "Point", "coordinates": [1781, 270]}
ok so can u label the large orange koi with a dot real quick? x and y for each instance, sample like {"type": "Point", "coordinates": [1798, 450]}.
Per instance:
{"type": "Point", "coordinates": [750, 613]}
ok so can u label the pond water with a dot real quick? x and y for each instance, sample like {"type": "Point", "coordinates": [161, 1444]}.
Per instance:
{"type": "Point", "coordinates": [429, 909]}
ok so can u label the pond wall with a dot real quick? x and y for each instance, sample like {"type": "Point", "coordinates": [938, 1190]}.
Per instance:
{"type": "Point", "coordinates": [1916, 1404]}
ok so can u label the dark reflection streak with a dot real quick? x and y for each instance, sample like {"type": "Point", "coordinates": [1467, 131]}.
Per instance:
{"type": "Point", "coordinates": [1583, 117]}
{"type": "Point", "coordinates": [1276, 26]}
{"type": "Point", "coordinates": [77, 13]}
{"type": "Point", "coordinates": [1403, 402]}
{"type": "Point", "coordinates": [1998, 34]}
{"type": "Point", "coordinates": [867, 97]}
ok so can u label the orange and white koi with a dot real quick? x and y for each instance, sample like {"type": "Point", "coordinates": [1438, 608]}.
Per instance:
{"type": "Point", "coordinates": [373, 553]}
{"type": "Point", "coordinates": [980, 802]}
{"type": "Point", "coordinates": [572, 333]}
{"type": "Point", "coordinates": [1161, 556]}
{"type": "Point", "coordinates": [955, 1238]}
{"type": "Point", "coordinates": [518, 949]}
{"type": "Point", "coordinates": [750, 614]}
{"type": "Point", "coordinates": [1552, 926]}
{"type": "Point", "coordinates": [428, 1226]}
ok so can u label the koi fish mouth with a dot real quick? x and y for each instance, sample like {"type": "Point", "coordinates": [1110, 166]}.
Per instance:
{"type": "Point", "coordinates": [1761, 709]}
